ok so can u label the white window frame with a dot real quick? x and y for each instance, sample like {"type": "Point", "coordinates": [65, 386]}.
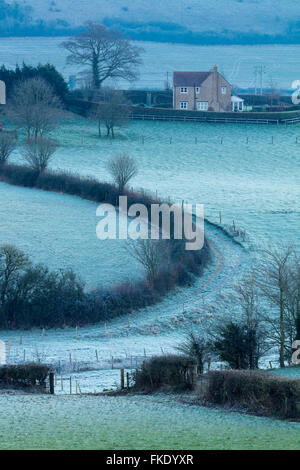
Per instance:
{"type": "Point", "coordinates": [224, 90]}
{"type": "Point", "coordinates": [202, 105]}
{"type": "Point", "coordinates": [197, 90]}
{"type": "Point", "coordinates": [183, 89]}
{"type": "Point", "coordinates": [184, 105]}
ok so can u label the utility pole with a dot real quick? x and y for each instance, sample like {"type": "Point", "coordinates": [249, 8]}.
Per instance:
{"type": "Point", "coordinates": [255, 79]}
{"type": "Point", "coordinates": [259, 70]}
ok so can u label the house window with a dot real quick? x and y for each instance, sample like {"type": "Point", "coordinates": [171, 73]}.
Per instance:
{"type": "Point", "coordinates": [224, 89]}
{"type": "Point", "coordinates": [197, 90]}
{"type": "Point", "coordinates": [183, 89]}
{"type": "Point", "coordinates": [183, 105]}
{"type": "Point", "coordinates": [202, 105]}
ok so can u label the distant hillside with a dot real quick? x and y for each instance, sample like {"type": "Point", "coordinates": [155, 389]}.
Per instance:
{"type": "Point", "coordinates": [195, 21]}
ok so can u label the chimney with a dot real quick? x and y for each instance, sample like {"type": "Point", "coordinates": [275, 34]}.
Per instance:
{"type": "Point", "coordinates": [215, 69]}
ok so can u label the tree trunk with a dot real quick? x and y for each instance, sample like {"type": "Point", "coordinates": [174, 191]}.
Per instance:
{"type": "Point", "coordinates": [96, 74]}
{"type": "Point", "coordinates": [282, 332]}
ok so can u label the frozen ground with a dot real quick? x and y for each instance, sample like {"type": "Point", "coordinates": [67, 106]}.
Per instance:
{"type": "Point", "coordinates": [143, 422]}
{"type": "Point", "coordinates": [128, 340]}
{"type": "Point", "coordinates": [256, 184]}
{"type": "Point", "coordinates": [60, 231]}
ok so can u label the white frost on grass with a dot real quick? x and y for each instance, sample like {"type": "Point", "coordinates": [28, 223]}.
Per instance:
{"type": "Point", "coordinates": [60, 231]}
{"type": "Point", "coordinates": [143, 422]}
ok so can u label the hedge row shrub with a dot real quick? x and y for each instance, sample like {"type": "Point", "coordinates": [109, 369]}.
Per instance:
{"type": "Point", "coordinates": [83, 107]}
{"type": "Point", "coordinates": [67, 183]}
{"type": "Point", "coordinates": [24, 375]}
{"type": "Point", "coordinates": [160, 371]}
{"type": "Point", "coordinates": [257, 391]}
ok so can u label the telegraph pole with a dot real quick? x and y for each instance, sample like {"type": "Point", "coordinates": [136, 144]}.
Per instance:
{"type": "Point", "coordinates": [259, 70]}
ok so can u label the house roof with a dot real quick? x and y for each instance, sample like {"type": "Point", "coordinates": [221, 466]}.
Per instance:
{"type": "Point", "coordinates": [190, 79]}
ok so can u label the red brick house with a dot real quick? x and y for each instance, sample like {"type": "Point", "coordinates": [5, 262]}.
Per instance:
{"type": "Point", "coordinates": [201, 91]}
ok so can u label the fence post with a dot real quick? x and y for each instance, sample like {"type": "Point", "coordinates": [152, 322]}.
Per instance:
{"type": "Point", "coordinates": [51, 382]}
{"type": "Point", "coordinates": [127, 380]}
{"type": "Point", "coordinates": [122, 380]}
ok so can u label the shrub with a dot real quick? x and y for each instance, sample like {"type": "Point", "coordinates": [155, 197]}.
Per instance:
{"type": "Point", "coordinates": [160, 371]}
{"type": "Point", "coordinates": [39, 152]}
{"type": "Point", "coordinates": [24, 375]}
{"type": "Point", "coordinates": [239, 344]}
{"type": "Point", "coordinates": [257, 391]}
{"type": "Point", "coordinates": [7, 146]}
{"type": "Point", "coordinates": [196, 347]}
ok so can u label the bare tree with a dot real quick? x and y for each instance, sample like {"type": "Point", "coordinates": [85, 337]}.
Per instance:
{"type": "Point", "coordinates": [292, 304]}
{"type": "Point", "coordinates": [197, 347]}
{"type": "Point", "coordinates": [35, 106]}
{"type": "Point", "coordinates": [122, 168]}
{"type": "Point", "coordinates": [12, 261]}
{"type": "Point", "coordinates": [38, 152]}
{"type": "Point", "coordinates": [151, 254]}
{"type": "Point", "coordinates": [273, 279]}
{"type": "Point", "coordinates": [107, 53]}
{"type": "Point", "coordinates": [7, 146]}
{"type": "Point", "coordinates": [248, 300]}
{"type": "Point", "coordinates": [113, 111]}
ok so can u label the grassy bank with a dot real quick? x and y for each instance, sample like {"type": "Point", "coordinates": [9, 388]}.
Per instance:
{"type": "Point", "coordinates": [66, 303]}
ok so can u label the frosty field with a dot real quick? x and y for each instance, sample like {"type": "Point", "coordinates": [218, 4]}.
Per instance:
{"type": "Point", "coordinates": [60, 231]}
{"type": "Point", "coordinates": [43, 422]}
{"type": "Point", "coordinates": [256, 184]}
{"type": "Point", "coordinates": [253, 182]}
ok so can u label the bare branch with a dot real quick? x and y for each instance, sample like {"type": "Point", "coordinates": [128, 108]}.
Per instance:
{"type": "Point", "coordinates": [39, 152]}
{"type": "Point", "coordinates": [107, 53]}
{"type": "Point", "coordinates": [8, 144]}
{"type": "Point", "coordinates": [35, 106]}
{"type": "Point", "coordinates": [122, 168]}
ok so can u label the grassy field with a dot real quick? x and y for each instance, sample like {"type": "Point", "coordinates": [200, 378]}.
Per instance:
{"type": "Point", "coordinates": [143, 422]}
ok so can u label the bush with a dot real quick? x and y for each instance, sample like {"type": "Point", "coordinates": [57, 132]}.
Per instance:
{"type": "Point", "coordinates": [239, 344]}
{"type": "Point", "coordinates": [24, 375]}
{"type": "Point", "coordinates": [160, 371]}
{"type": "Point", "coordinates": [259, 392]}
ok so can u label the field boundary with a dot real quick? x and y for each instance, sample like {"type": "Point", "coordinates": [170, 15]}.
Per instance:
{"type": "Point", "coordinates": [83, 108]}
